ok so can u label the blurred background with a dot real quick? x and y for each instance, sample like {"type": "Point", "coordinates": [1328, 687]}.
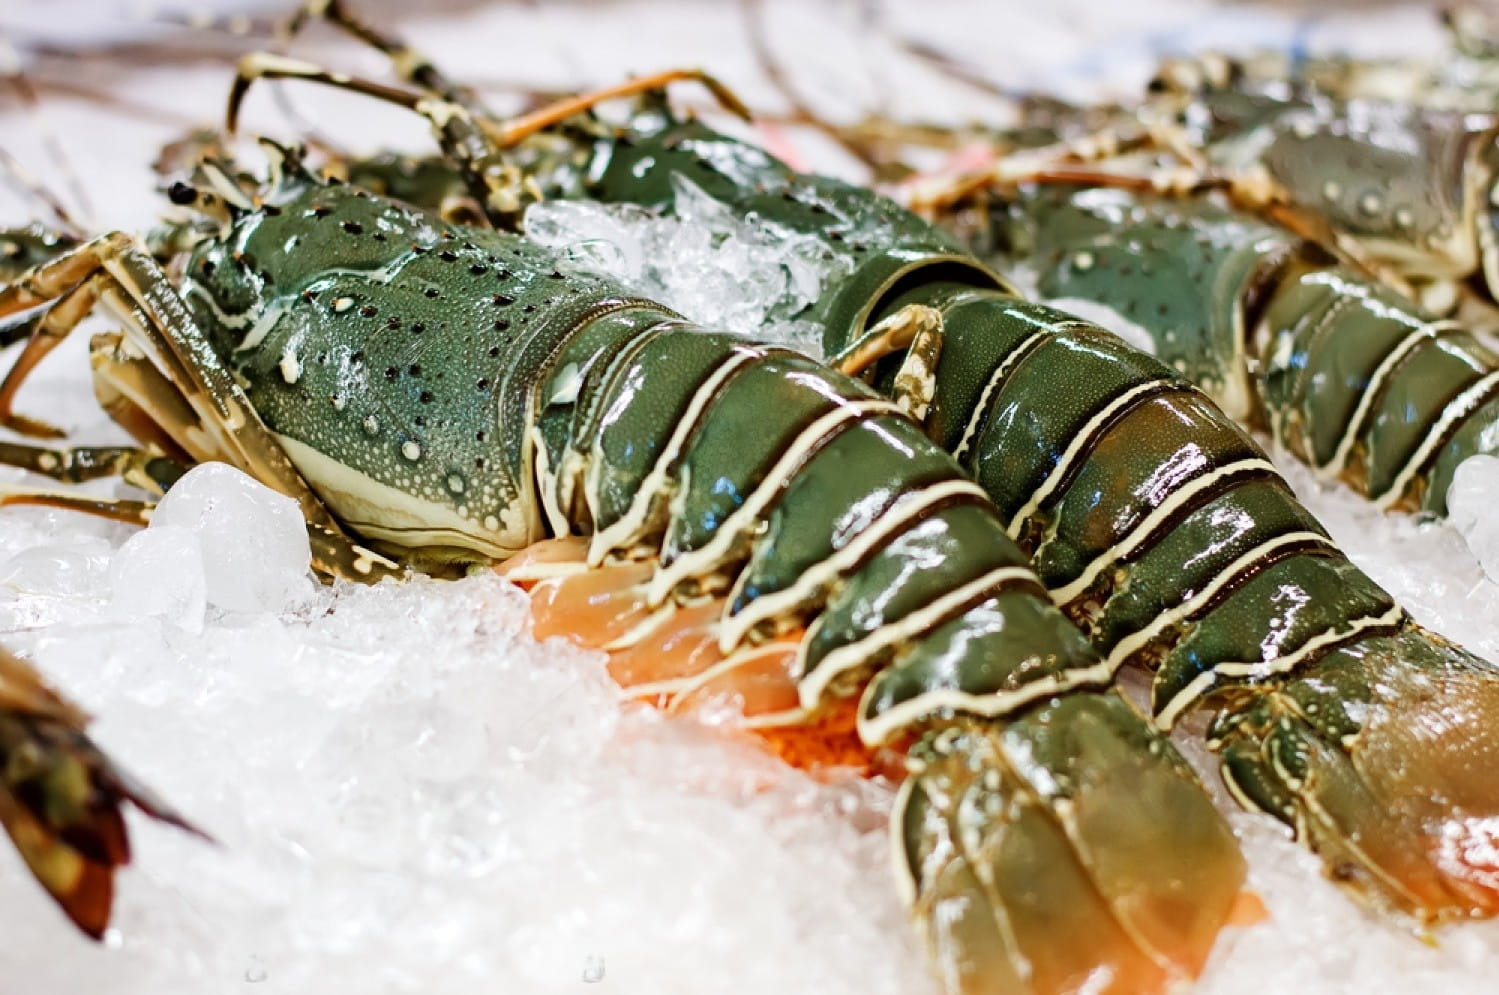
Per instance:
{"type": "Point", "coordinates": [103, 84]}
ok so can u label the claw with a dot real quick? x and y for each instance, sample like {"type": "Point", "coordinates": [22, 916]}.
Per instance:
{"type": "Point", "coordinates": [1070, 850]}
{"type": "Point", "coordinates": [61, 798]}
{"type": "Point", "coordinates": [1382, 759]}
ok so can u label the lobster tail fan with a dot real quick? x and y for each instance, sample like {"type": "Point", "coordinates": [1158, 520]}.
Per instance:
{"type": "Point", "coordinates": [1071, 849]}
{"type": "Point", "coordinates": [1382, 759]}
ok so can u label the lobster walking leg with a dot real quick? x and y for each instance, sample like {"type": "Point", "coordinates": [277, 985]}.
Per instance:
{"type": "Point", "coordinates": [145, 468]}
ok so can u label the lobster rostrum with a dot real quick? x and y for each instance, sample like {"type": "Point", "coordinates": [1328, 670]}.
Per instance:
{"type": "Point", "coordinates": [737, 526]}
{"type": "Point", "coordinates": [1153, 521]}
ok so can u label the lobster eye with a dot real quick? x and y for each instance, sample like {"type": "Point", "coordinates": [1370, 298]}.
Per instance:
{"type": "Point", "coordinates": [181, 193]}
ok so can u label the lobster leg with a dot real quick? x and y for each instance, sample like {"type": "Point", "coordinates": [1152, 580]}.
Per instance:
{"type": "Point", "coordinates": [411, 65]}
{"type": "Point", "coordinates": [474, 141]}
{"type": "Point", "coordinates": [144, 468]}
{"type": "Point", "coordinates": [46, 335]}
{"type": "Point", "coordinates": [119, 510]}
{"type": "Point", "coordinates": [914, 331]}
{"type": "Point", "coordinates": [415, 68]}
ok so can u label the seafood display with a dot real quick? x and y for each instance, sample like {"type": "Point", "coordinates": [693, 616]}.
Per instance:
{"type": "Point", "coordinates": [419, 383]}
{"type": "Point", "coordinates": [1128, 475]}
{"type": "Point", "coordinates": [928, 554]}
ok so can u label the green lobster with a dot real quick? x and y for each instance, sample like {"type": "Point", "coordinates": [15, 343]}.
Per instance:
{"type": "Point", "coordinates": [1406, 189]}
{"type": "Point", "coordinates": [731, 523]}
{"type": "Point", "coordinates": [1396, 174]}
{"type": "Point", "coordinates": [1155, 523]}
{"type": "Point", "coordinates": [1347, 374]}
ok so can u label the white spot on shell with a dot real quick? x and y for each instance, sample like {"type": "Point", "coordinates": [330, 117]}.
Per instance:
{"type": "Point", "coordinates": [455, 483]}
{"type": "Point", "coordinates": [1404, 217]}
{"type": "Point", "coordinates": [291, 367]}
{"type": "Point", "coordinates": [491, 523]}
{"type": "Point", "coordinates": [1332, 190]}
{"type": "Point", "coordinates": [1082, 260]}
{"type": "Point", "coordinates": [1370, 203]}
{"type": "Point", "coordinates": [343, 304]}
{"type": "Point", "coordinates": [411, 450]}
{"type": "Point", "coordinates": [371, 424]}
{"type": "Point", "coordinates": [339, 402]}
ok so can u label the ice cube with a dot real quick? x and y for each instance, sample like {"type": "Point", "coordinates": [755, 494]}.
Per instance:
{"type": "Point", "coordinates": [255, 550]}
{"type": "Point", "coordinates": [159, 571]}
{"type": "Point", "coordinates": [1470, 508]}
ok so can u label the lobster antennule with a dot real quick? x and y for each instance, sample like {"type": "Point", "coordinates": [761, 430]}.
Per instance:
{"type": "Point", "coordinates": [1381, 757]}
{"type": "Point", "coordinates": [1075, 820]}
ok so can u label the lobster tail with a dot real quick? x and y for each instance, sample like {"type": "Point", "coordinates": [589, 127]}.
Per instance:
{"type": "Point", "coordinates": [1075, 826]}
{"type": "Point", "coordinates": [1381, 758]}
{"type": "Point", "coordinates": [799, 553]}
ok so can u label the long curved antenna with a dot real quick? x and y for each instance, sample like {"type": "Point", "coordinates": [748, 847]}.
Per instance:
{"type": "Point", "coordinates": [754, 22]}
{"type": "Point", "coordinates": [10, 70]}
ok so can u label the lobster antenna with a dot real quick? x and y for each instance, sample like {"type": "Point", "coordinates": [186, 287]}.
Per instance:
{"type": "Point", "coordinates": [956, 69]}
{"type": "Point", "coordinates": [10, 70]}
{"type": "Point", "coordinates": [20, 179]}
{"type": "Point", "coordinates": [802, 110]}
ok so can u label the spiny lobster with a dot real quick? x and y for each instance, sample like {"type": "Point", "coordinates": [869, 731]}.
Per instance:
{"type": "Point", "coordinates": [1115, 483]}
{"type": "Point", "coordinates": [732, 523]}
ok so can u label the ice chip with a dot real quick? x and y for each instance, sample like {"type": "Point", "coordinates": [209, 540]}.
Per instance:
{"type": "Point", "coordinates": [1474, 484]}
{"type": "Point", "coordinates": [159, 571]}
{"type": "Point", "coordinates": [748, 275]}
{"type": "Point", "coordinates": [79, 567]}
{"type": "Point", "coordinates": [254, 540]}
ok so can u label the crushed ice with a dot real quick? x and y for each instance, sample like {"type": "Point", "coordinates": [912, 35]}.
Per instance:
{"type": "Point", "coordinates": [1470, 506]}
{"type": "Point", "coordinates": [570, 843]}
{"type": "Point", "coordinates": [410, 794]}
{"type": "Point", "coordinates": [746, 275]}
